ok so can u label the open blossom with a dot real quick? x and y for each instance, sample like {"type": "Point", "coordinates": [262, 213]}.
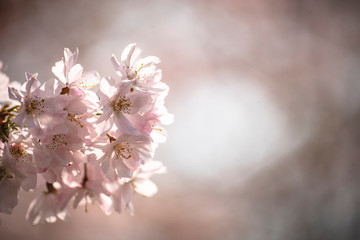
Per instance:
{"type": "Point", "coordinates": [16, 170]}
{"type": "Point", "coordinates": [122, 106]}
{"type": "Point", "coordinates": [10, 182]}
{"type": "Point", "coordinates": [54, 154]}
{"type": "Point", "coordinates": [154, 119]}
{"type": "Point", "coordinates": [40, 111]}
{"type": "Point", "coordinates": [65, 148]}
{"type": "Point", "coordinates": [18, 152]}
{"type": "Point", "coordinates": [139, 183]}
{"type": "Point", "coordinates": [45, 209]}
{"type": "Point", "coordinates": [124, 155]}
{"type": "Point", "coordinates": [141, 71]}
{"type": "Point", "coordinates": [90, 140]}
{"type": "Point", "coordinates": [91, 188]}
{"type": "Point", "coordinates": [48, 207]}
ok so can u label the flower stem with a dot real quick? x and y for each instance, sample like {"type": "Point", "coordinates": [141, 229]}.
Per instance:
{"type": "Point", "coordinates": [50, 188]}
{"type": "Point", "coordinates": [85, 179]}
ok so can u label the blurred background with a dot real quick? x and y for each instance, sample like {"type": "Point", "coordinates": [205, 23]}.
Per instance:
{"type": "Point", "coordinates": [266, 98]}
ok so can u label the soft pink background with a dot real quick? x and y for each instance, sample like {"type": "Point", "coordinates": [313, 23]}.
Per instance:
{"type": "Point", "coordinates": [266, 97]}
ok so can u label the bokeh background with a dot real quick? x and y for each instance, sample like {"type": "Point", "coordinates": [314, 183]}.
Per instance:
{"type": "Point", "coordinates": [266, 98]}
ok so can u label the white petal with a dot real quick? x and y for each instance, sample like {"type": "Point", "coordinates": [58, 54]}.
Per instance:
{"type": "Point", "coordinates": [58, 71]}
{"type": "Point", "coordinates": [14, 94]}
{"type": "Point", "coordinates": [75, 74]}
{"type": "Point", "coordinates": [126, 54]}
{"type": "Point", "coordinates": [145, 187]}
{"type": "Point", "coordinates": [115, 62]}
{"type": "Point", "coordinates": [124, 125]}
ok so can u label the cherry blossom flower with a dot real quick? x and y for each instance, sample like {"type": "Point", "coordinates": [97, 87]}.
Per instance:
{"type": "Point", "coordinates": [17, 151]}
{"type": "Point", "coordinates": [39, 110]}
{"type": "Point", "coordinates": [10, 182]}
{"type": "Point", "coordinates": [121, 106]}
{"type": "Point", "coordinates": [90, 189]}
{"type": "Point", "coordinates": [141, 71]}
{"type": "Point", "coordinates": [48, 207]}
{"type": "Point", "coordinates": [154, 119]}
{"type": "Point", "coordinates": [4, 84]}
{"type": "Point", "coordinates": [86, 146]}
{"type": "Point", "coordinates": [71, 74]}
{"type": "Point", "coordinates": [124, 155]}
{"type": "Point", "coordinates": [139, 183]}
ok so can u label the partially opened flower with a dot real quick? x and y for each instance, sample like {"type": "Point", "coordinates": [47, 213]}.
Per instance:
{"type": "Point", "coordinates": [4, 84]}
{"type": "Point", "coordinates": [72, 74]}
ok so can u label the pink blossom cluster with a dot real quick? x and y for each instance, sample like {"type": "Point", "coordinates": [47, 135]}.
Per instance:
{"type": "Point", "coordinates": [81, 138]}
